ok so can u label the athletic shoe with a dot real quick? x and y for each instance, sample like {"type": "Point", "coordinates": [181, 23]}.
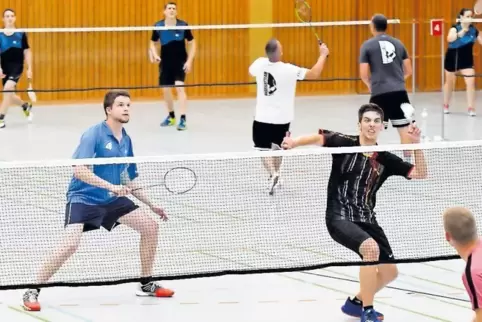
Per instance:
{"type": "Point", "coordinates": [446, 109]}
{"type": "Point", "coordinates": [369, 316]}
{"type": "Point", "coordinates": [27, 111]}
{"type": "Point", "coordinates": [182, 125]}
{"type": "Point", "coordinates": [472, 111]}
{"type": "Point", "coordinates": [355, 310]}
{"type": "Point", "coordinates": [2, 124]}
{"type": "Point", "coordinates": [30, 300]}
{"type": "Point", "coordinates": [153, 289]}
{"type": "Point", "coordinates": [169, 121]}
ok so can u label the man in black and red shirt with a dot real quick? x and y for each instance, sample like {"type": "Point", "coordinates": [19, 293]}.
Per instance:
{"type": "Point", "coordinates": [350, 217]}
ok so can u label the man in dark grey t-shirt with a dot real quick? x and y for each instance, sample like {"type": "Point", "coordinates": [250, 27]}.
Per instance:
{"type": "Point", "coordinates": [384, 67]}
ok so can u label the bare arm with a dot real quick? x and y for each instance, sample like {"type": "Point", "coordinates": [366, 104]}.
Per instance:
{"type": "Point", "coordinates": [192, 50]}
{"type": "Point", "coordinates": [139, 194]}
{"type": "Point", "coordinates": [86, 175]}
{"type": "Point", "coordinates": [365, 74]}
{"type": "Point", "coordinates": [314, 139]}
{"type": "Point", "coordinates": [316, 70]}
{"type": "Point", "coordinates": [407, 68]}
{"type": "Point", "coordinates": [420, 169]}
{"type": "Point", "coordinates": [478, 315]}
{"type": "Point", "coordinates": [28, 58]}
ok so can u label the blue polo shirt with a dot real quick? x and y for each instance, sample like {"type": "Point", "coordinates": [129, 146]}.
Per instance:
{"type": "Point", "coordinates": [99, 142]}
{"type": "Point", "coordinates": [173, 43]}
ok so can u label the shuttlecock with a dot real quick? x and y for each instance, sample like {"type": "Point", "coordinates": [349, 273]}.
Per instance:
{"type": "Point", "coordinates": [408, 110]}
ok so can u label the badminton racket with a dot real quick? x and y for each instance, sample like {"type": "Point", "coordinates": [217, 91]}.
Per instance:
{"type": "Point", "coordinates": [478, 7]}
{"type": "Point", "coordinates": [30, 92]}
{"type": "Point", "coordinates": [303, 13]}
{"type": "Point", "coordinates": [177, 181]}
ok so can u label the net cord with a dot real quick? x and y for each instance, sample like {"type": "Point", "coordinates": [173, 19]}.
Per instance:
{"type": "Point", "coordinates": [195, 27]}
{"type": "Point", "coordinates": [237, 155]}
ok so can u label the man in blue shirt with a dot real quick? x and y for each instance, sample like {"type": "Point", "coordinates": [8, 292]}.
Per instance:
{"type": "Point", "coordinates": [14, 50]}
{"type": "Point", "coordinates": [174, 61]}
{"type": "Point", "coordinates": [97, 197]}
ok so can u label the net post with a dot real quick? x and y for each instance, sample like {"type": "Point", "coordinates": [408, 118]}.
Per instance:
{"type": "Point", "coordinates": [414, 60]}
{"type": "Point", "coordinates": [442, 54]}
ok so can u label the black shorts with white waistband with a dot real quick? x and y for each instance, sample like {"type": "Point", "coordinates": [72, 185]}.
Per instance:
{"type": "Point", "coordinates": [391, 104]}
{"type": "Point", "coordinates": [264, 134]}
{"type": "Point", "coordinates": [352, 234]}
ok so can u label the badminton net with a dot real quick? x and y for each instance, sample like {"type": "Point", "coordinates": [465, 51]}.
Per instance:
{"type": "Point", "coordinates": [228, 223]}
{"type": "Point", "coordinates": [117, 57]}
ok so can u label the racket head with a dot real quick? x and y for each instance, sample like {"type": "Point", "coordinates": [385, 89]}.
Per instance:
{"type": "Point", "coordinates": [478, 8]}
{"type": "Point", "coordinates": [303, 11]}
{"type": "Point", "coordinates": [180, 180]}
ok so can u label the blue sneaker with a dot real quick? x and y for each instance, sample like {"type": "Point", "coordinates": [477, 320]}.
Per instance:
{"type": "Point", "coordinates": [182, 125]}
{"type": "Point", "coordinates": [369, 316]}
{"type": "Point", "coordinates": [169, 121]}
{"type": "Point", "coordinates": [355, 310]}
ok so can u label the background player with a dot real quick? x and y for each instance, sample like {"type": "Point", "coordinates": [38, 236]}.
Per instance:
{"type": "Point", "coordinates": [174, 63]}
{"type": "Point", "coordinates": [350, 216]}
{"type": "Point", "coordinates": [14, 50]}
{"type": "Point", "coordinates": [460, 58]}
{"type": "Point", "coordinates": [461, 232]}
{"type": "Point", "coordinates": [384, 67]}
{"type": "Point", "coordinates": [275, 99]}
{"type": "Point", "coordinates": [98, 198]}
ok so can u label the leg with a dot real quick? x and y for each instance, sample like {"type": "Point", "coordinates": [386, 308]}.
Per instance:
{"type": "Point", "coordinates": [470, 86]}
{"type": "Point", "coordinates": [78, 218]}
{"type": "Point", "coordinates": [166, 79]}
{"type": "Point", "coordinates": [124, 211]}
{"type": "Point", "coordinates": [449, 86]}
{"type": "Point", "coordinates": [354, 237]}
{"type": "Point", "coordinates": [179, 79]}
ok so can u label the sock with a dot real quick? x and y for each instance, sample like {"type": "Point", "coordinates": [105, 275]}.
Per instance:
{"type": "Point", "coordinates": [183, 117]}
{"type": "Point", "coordinates": [38, 290]}
{"type": "Point", "coordinates": [172, 115]}
{"type": "Point", "coordinates": [25, 106]}
{"type": "Point", "coordinates": [356, 300]}
{"type": "Point", "coordinates": [146, 280]}
{"type": "Point", "coordinates": [2, 116]}
{"type": "Point", "coordinates": [366, 308]}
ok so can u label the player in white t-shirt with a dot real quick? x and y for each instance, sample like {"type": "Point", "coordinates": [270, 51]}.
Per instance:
{"type": "Point", "coordinates": [275, 101]}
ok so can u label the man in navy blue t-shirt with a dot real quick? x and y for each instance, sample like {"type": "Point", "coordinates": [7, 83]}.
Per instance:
{"type": "Point", "coordinates": [14, 51]}
{"type": "Point", "coordinates": [96, 198]}
{"type": "Point", "coordinates": [174, 62]}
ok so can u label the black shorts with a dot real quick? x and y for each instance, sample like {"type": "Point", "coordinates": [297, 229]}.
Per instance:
{"type": "Point", "coordinates": [12, 72]}
{"type": "Point", "coordinates": [391, 104]}
{"type": "Point", "coordinates": [93, 217]}
{"type": "Point", "coordinates": [458, 60]}
{"type": "Point", "coordinates": [265, 133]}
{"type": "Point", "coordinates": [169, 75]}
{"type": "Point", "coordinates": [353, 234]}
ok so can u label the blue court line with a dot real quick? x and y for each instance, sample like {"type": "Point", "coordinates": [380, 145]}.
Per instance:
{"type": "Point", "coordinates": [72, 315]}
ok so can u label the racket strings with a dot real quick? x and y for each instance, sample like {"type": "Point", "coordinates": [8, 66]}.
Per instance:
{"type": "Point", "coordinates": [303, 11]}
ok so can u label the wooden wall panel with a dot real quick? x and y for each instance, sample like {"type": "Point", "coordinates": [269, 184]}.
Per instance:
{"type": "Point", "coordinates": [119, 59]}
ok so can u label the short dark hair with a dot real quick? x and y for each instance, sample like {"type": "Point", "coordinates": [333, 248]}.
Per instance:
{"type": "Point", "coordinates": [463, 11]}
{"type": "Point", "coordinates": [7, 10]}
{"type": "Point", "coordinates": [111, 96]}
{"type": "Point", "coordinates": [271, 48]}
{"type": "Point", "coordinates": [170, 3]}
{"type": "Point", "coordinates": [380, 23]}
{"type": "Point", "coordinates": [370, 107]}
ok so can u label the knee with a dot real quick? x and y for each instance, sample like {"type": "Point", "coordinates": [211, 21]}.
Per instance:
{"type": "Point", "coordinates": [470, 83]}
{"type": "Point", "coordinates": [150, 229]}
{"type": "Point", "coordinates": [369, 250]}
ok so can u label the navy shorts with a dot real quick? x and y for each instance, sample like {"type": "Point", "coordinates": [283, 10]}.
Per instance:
{"type": "Point", "coordinates": [391, 104]}
{"type": "Point", "coordinates": [171, 74]}
{"type": "Point", "coordinates": [12, 72]}
{"type": "Point", "coordinates": [352, 234]}
{"type": "Point", "coordinates": [95, 216]}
